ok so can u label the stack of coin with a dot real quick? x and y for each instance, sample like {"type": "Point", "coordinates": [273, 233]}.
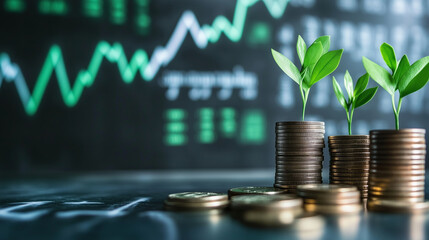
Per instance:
{"type": "Point", "coordinates": [196, 201]}
{"type": "Point", "coordinates": [397, 166]}
{"type": "Point", "coordinates": [254, 191]}
{"type": "Point", "coordinates": [266, 210]}
{"type": "Point", "coordinates": [330, 199]}
{"type": "Point", "coordinates": [299, 153]}
{"type": "Point", "coordinates": [350, 161]}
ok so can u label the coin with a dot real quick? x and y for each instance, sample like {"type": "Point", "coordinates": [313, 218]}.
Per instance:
{"type": "Point", "coordinates": [300, 158]}
{"type": "Point", "coordinates": [404, 199]}
{"type": "Point", "coordinates": [299, 153]}
{"type": "Point", "coordinates": [349, 150]}
{"type": "Point", "coordinates": [197, 197]}
{"type": "Point", "coordinates": [396, 188]}
{"type": "Point", "coordinates": [266, 201]}
{"type": "Point", "coordinates": [397, 206]}
{"type": "Point", "coordinates": [332, 201]}
{"type": "Point", "coordinates": [397, 132]}
{"type": "Point", "coordinates": [399, 146]}
{"type": "Point", "coordinates": [349, 174]}
{"type": "Point", "coordinates": [336, 178]}
{"type": "Point", "coordinates": [334, 209]}
{"type": "Point", "coordinates": [305, 123]}
{"type": "Point", "coordinates": [397, 167]}
{"type": "Point", "coordinates": [399, 152]}
{"type": "Point", "coordinates": [349, 137]}
{"type": "Point", "coordinates": [395, 179]}
{"type": "Point", "coordinates": [349, 154]}
{"type": "Point", "coordinates": [397, 173]}
{"type": "Point", "coordinates": [347, 170]}
{"type": "Point", "coordinates": [397, 194]}
{"type": "Point", "coordinates": [254, 190]}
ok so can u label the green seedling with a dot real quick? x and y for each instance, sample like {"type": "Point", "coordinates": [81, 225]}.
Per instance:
{"type": "Point", "coordinates": [404, 78]}
{"type": "Point", "coordinates": [357, 97]}
{"type": "Point", "coordinates": [317, 62]}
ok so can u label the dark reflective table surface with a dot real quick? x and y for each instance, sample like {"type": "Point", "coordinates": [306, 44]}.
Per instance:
{"type": "Point", "coordinates": [130, 206]}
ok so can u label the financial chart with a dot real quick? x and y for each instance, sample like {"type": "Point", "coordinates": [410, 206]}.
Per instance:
{"type": "Point", "coordinates": [145, 84]}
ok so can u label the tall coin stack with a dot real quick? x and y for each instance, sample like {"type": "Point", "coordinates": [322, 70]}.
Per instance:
{"type": "Point", "coordinates": [350, 161]}
{"type": "Point", "coordinates": [299, 153]}
{"type": "Point", "coordinates": [397, 166]}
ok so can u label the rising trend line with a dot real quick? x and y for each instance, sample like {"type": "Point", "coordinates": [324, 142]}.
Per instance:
{"type": "Point", "coordinates": [139, 62]}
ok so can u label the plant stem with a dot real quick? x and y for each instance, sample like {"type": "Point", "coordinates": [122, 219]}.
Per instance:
{"type": "Point", "coordinates": [303, 99]}
{"type": "Point", "coordinates": [396, 112]}
{"type": "Point", "coordinates": [350, 120]}
{"type": "Point", "coordinates": [304, 103]}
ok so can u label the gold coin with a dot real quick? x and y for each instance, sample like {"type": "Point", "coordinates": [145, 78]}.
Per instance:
{"type": "Point", "coordinates": [356, 174]}
{"type": "Point", "coordinates": [349, 154]}
{"type": "Point", "coordinates": [397, 132]}
{"type": "Point", "coordinates": [299, 153]}
{"type": "Point", "coordinates": [395, 179]}
{"type": "Point", "coordinates": [352, 183]}
{"type": "Point", "coordinates": [397, 162]}
{"type": "Point", "coordinates": [347, 170]}
{"type": "Point", "coordinates": [197, 197]}
{"type": "Point", "coordinates": [397, 194]}
{"type": "Point", "coordinates": [402, 146]}
{"type": "Point", "coordinates": [401, 199]}
{"type": "Point", "coordinates": [392, 206]}
{"type": "Point", "coordinates": [348, 137]}
{"type": "Point", "coordinates": [383, 141]}
{"type": "Point", "coordinates": [398, 188]}
{"type": "Point", "coordinates": [325, 188]}
{"type": "Point", "coordinates": [300, 130]}
{"type": "Point", "coordinates": [397, 167]}
{"type": "Point", "coordinates": [282, 201]}
{"type": "Point", "coordinates": [254, 190]}
{"type": "Point", "coordinates": [398, 173]}
{"type": "Point", "coordinates": [327, 201]}
{"type": "Point", "coordinates": [399, 184]}
{"type": "Point", "coordinates": [349, 150]}
{"type": "Point", "coordinates": [333, 209]}
{"type": "Point", "coordinates": [300, 158]}
{"type": "Point", "coordinates": [300, 123]}
{"type": "Point", "coordinates": [336, 178]}
{"type": "Point", "coordinates": [365, 142]}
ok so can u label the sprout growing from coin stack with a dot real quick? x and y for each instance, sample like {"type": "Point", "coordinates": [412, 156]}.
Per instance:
{"type": "Point", "coordinates": [299, 144]}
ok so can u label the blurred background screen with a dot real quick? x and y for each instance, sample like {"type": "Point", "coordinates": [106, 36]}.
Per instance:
{"type": "Point", "coordinates": [88, 85]}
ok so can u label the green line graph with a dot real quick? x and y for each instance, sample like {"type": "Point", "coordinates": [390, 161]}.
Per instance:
{"type": "Point", "coordinates": [139, 61]}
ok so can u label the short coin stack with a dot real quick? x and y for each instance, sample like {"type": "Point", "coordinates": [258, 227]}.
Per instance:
{"type": "Point", "coordinates": [196, 201]}
{"type": "Point", "coordinates": [349, 162]}
{"type": "Point", "coordinates": [330, 199]}
{"type": "Point", "coordinates": [254, 191]}
{"type": "Point", "coordinates": [267, 210]}
{"type": "Point", "coordinates": [397, 167]}
{"type": "Point", "coordinates": [299, 153]}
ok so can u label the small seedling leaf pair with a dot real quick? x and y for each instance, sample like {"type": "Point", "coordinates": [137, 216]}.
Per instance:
{"type": "Point", "coordinates": [404, 78]}
{"type": "Point", "coordinates": [357, 97]}
{"type": "Point", "coordinates": [316, 61]}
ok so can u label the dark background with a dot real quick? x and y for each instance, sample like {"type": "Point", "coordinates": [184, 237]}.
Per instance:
{"type": "Point", "coordinates": [119, 126]}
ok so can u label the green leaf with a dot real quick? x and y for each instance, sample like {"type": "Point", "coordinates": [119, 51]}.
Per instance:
{"type": "Point", "coordinates": [418, 82]}
{"type": "Point", "coordinates": [403, 67]}
{"type": "Point", "coordinates": [301, 49]}
{"type": "Point", "coordinates": [339, 94]}
{"type": "Point", "coordinates": [411, 74]}
{"type": "Point", "coordinates": [348, 84]}
{"type": "Point", "coordinates": [365, 97]}
{"type": "Point", "coordinates": [326, 43]}
{"type": "Point", "coordinates": [389, 56]}
{"type": "Point", "coordinates": [326, 65]}
{"type": "Point", "coordinates": [361, 84]}
{"type": "Point", "coordinates": [287, 66]}
{"type": "Point", "coordinates": [380, 75]}
{"type": "Point", "coordinates": [304, 74]}
{"type": "Point", "coordinates": [313, 54]}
